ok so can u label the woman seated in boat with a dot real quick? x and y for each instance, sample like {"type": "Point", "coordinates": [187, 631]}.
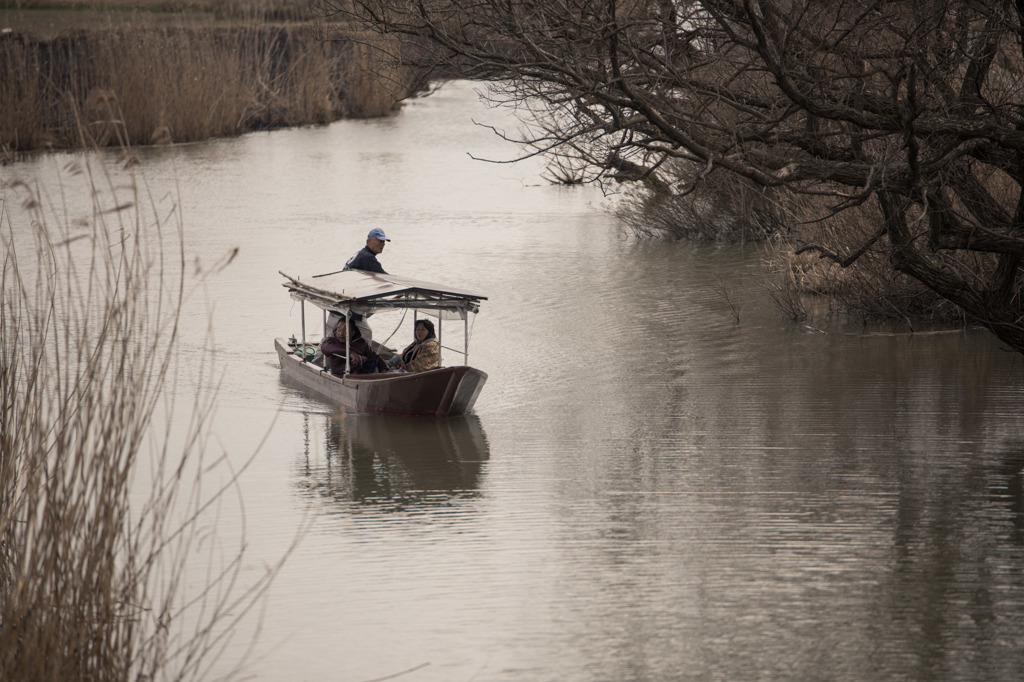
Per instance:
{"type": "Point", "coordinates": [422, 354]}
{"type": "Point", "coordinates": [362, 358]}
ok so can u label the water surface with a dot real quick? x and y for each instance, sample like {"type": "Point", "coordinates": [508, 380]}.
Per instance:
{"type": "Point", "coordinates": [649, 488]}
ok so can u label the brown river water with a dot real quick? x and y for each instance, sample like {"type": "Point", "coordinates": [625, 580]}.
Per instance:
{"type": "Point", "coordinates": [648, 489]}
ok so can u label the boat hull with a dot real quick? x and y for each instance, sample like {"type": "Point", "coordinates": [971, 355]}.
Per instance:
{"type": "Point", "coordinates": [443, 392]}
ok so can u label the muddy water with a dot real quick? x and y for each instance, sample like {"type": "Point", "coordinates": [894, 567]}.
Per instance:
{"type": "Point", "coordinates": [662, 480]}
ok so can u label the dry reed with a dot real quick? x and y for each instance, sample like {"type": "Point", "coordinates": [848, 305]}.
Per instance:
{"type": "Point", "coordinates": [146, 85]}
{"type": "Point", "coordinates": [868, 288]}
{"type": "Point", "coordinates": [92, 566]}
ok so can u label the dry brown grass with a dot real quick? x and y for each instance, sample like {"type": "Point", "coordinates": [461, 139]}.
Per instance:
{"type": "Point", "coordinates": [79, 12]}
{"type": "Point", "coordinates": [91, 564]}
{"type": "Point", "coordinates": [142, 85]}
{"type": "Point", "coordinates": [869, 287]}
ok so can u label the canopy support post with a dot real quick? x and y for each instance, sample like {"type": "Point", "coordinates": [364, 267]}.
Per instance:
{"type": "Point", "coordinates": [348, 340]}
{"type": "Point", "coordinates": [302, 309]}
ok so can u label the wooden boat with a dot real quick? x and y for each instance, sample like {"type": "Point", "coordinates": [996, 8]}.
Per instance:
{"type": "Point", "coordinates": [441, 392]}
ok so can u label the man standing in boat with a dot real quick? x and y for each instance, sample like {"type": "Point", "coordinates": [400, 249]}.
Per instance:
{"type": "Point", "coordinates": [366, 259]}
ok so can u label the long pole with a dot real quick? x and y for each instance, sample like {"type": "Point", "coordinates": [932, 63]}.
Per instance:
{"type": "Point", "coordinates": [302, 309]}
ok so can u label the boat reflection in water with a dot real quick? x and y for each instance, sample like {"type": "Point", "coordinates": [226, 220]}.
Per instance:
{"type": "Point", "coordinates": [395, 463]}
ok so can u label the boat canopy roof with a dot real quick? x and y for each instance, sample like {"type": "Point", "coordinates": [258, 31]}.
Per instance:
{"type": "Point", "coordinates": [367, 292]}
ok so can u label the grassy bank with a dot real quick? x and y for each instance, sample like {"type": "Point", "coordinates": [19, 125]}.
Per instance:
{"type": "Point", "coordinates": [142, 82]}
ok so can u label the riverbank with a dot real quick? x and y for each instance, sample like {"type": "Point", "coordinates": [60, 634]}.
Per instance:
{"type": "Point", "coordinates": [48, 18]}
{"type": "Point", "coordinates": [154, 79]}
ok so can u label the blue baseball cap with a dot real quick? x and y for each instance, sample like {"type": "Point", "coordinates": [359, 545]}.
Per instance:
{"type": "Point", "coordinates": [377, 233]}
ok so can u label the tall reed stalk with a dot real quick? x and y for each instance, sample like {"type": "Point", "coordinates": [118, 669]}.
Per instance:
{"type": "Point", "coordinates": [144, 85]}
{"type": "Point", "coordinates": [99, 511]}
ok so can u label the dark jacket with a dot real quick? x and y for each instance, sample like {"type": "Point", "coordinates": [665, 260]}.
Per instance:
{"type": "Point", "coordinates": [365, 362]}
{"type": "Point", "coordinates": [365, 260]}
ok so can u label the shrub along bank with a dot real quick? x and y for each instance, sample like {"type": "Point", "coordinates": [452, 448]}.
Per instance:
{"type": "Point", "coordinates": [149, 85]}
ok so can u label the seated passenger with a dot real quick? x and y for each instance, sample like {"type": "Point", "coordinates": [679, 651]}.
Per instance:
{"type": "Point", "coordinates": [423, 353]}
{"type": "Point", "coordinates": [331, 323]}
{"type": "Point", "coordinates": [362, 358]}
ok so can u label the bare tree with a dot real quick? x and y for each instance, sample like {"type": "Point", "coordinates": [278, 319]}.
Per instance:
{"type": "Point", "coordinates": [914, 107]}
